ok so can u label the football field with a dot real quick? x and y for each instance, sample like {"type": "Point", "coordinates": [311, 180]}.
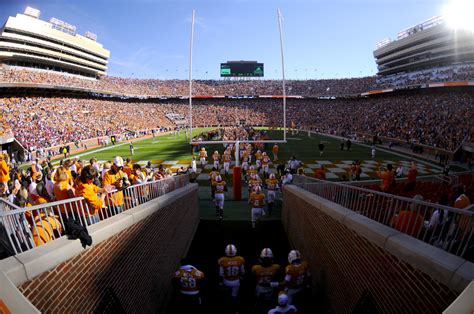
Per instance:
{"type": "Point", "coordinates": [174, 151]}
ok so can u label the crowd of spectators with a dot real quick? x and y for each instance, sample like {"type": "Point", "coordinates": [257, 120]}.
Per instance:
{"type": "Point", "coordinates": [453, 73]}
{"type": "Point", "coordinates": [156, 87]}
{"type": "Point", "coordinates": [171, 87]}
{"type": "Point", "coordinates": [437, 120]}
{"type": "Point", "coordinates": [103, 186]}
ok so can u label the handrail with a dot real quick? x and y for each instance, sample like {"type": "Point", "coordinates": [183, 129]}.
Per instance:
{"type": "Point", "coordinates": [445, 227]}
{"type": "Point", "coordinates": [22, 229]}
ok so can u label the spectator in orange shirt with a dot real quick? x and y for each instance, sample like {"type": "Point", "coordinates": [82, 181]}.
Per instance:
{"type": "Point", "coordinates": [115, 178]}
{"type": "Point", "coordinates": [62, 189]}
{"type": "Point", "coordinates": [275, 152]}
{"type": "Point", "coordinates": [387, 178]}
{"type": "Point", "coordinates": [4, 169]}
{"type": "Point", "coordinates": [409, 221]}
{"type": "Point", "coordinates": [462, 201]}
{"type": "Point", "coordinates": [87, 189]}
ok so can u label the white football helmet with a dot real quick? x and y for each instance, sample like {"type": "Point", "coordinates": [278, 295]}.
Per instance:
{"type": "Point", "coordinates": [252, 168]}
{"type": "Point", "coordinates": [272, 176]}
{"type": "Point", "coordinates": [230, 250]}
{"type": "Point", "coordinates": [218, 178]}
{"type": "Point", "coordinates": [266, 253]}
{"type": "Point", "coordinates": [282, 299]}
{"type": "Point", "coordinates": [258, 189]}
{"type": "Point", "coordinates": [293, 256]}
{"type": "Point", "coordinates": [216, 152]}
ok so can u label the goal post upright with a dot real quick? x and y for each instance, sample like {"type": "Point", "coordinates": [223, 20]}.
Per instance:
{"type": "Point", "coordinates": [191, 79]}
{"type": "Point", "coordinates": [282, 72]}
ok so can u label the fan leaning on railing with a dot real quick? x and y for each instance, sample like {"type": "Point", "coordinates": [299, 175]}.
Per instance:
{"type": "Point", "coordinates": [22, 229]}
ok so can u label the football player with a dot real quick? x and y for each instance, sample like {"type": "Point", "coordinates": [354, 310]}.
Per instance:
{"type": "Point", "coordinates": [231, 270]}
{"type": "Point", "coordinates": [219, 188]}
{"type": "Point", "coordinates": [266, 273]}
{"type": "Point", "coordinates": [272, 187]}
{"type": "Point", "coordinates": [265, 161]}
{"type": "Point", "coordinates": [227, 157]}
{"type": "Point", "coordinates": [245, 165]}
{"type": "Point", "coordinates": [203, 156]}
{"type": "Point", "coordinates": [187, 279]}
{"type": "Point", "coordinates": [257, 200]}
{"type": "Point", "coordinates": [254, 182]}
{"type": "Point", "coordinates": [216, 156]}
{"type": "Point", "coordinates": [258, 159]}
{"type": "Point", "coordinates": [212, 179]}
{"type": "Point", "coordinates": [298, 276]}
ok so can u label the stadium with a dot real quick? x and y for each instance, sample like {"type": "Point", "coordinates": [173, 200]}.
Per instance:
{"type": "Point", "coordinates": [240, 194]}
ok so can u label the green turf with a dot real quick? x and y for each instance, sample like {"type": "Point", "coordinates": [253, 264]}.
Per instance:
{"type": "Point", "coordinates": [304, 148]}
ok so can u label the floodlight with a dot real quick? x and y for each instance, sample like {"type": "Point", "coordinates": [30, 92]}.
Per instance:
{"type": "Point", "coordinates": [458, 14]}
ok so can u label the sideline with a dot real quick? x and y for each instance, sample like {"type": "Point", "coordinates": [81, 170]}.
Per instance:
{"type": "Point", "coordinates": [423, 161]}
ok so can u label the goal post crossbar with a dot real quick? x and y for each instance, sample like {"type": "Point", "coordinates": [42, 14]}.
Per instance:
{"type": "Point", "coordinates": [191, 43]}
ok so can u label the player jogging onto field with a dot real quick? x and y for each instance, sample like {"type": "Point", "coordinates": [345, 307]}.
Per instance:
{"type": "Point", "coordinates": [272, 186]}
{"type": "Point", "coordinates": [298, 276]}
{"type": "Point", "coordinates": [219, 188]}
{"type": "Point", "coordinates": [257, 200]}
{"type": "Point", "coordinates": [231, 270]}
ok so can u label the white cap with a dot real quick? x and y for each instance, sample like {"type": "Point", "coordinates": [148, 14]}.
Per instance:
{"type": "Point", "coordinates": [118, 161]}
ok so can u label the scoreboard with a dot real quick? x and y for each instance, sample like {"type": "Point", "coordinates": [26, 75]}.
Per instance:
{"type": "Point", "coordinates": [241, 69]}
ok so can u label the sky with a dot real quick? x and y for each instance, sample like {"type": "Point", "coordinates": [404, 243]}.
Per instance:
{"type": "Point", "coordinates": [321, 38]}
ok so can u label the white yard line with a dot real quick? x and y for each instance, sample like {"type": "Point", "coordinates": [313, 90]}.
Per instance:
{"type": "Point", "coordinates": [92, 152]}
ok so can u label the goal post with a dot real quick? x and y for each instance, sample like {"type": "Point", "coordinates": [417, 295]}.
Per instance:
{"type": "Point", "coordinates": [236, 170]}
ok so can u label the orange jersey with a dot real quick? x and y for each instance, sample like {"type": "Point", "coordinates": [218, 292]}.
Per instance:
{"type": "Point", "coordinates": [272, 184]}
{"type": "Point", "coordinates": [275, 149]}
{"type": "Point", "coordinates": [265, 161]}
{"type": "Point", "coordinates": [227, 158]}
{"type": "Point", "coordinates": [257, 200]}
{"type": "Point", "coordinates": [110, 179]}
{"type": "Point", "coordinates": [387, 179]}
{"type": "Point", "coordinates": [462, 202]}
{"type": "Point", "coordinates": [220, 187]}
{"type": "Point", "coordinates": [188, 278]}
{"type": "Point", "coordinates": [297, 275]}
{"type": "Point", "coordinates": [4, 172]}
{"type": "Point", "coordinates": [212, 176]}
{"type": "Point", "coordinates": [231, 268]}
{"type": "Point", "coordinates": [216, 157]}
{"type": "Point", "coordinates": [250, 172]}
{"type": "Point", "coordinates": [202, 154]}
{"type": "Point", "coordinates": [255, 182]}
{"type": "Point", "coordinates": [265, 274]}
{"type": "Point", "coordinates": [89, 192]}
{"type": "Point", "coordinates": [258, 156]}
{"type": "Point", "coordinates": [45, 227]}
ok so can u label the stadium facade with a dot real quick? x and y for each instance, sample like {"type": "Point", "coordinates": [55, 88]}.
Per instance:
{"type": "Point", "coordinates": [431, 44]}
{"type": "Point", "coordinates": [27, 41]}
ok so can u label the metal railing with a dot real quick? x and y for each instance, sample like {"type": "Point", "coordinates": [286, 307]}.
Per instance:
{"type": "Point", "coordinates": [22, 229]}
{"type": "Point", "coordinates": [445, 227]}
